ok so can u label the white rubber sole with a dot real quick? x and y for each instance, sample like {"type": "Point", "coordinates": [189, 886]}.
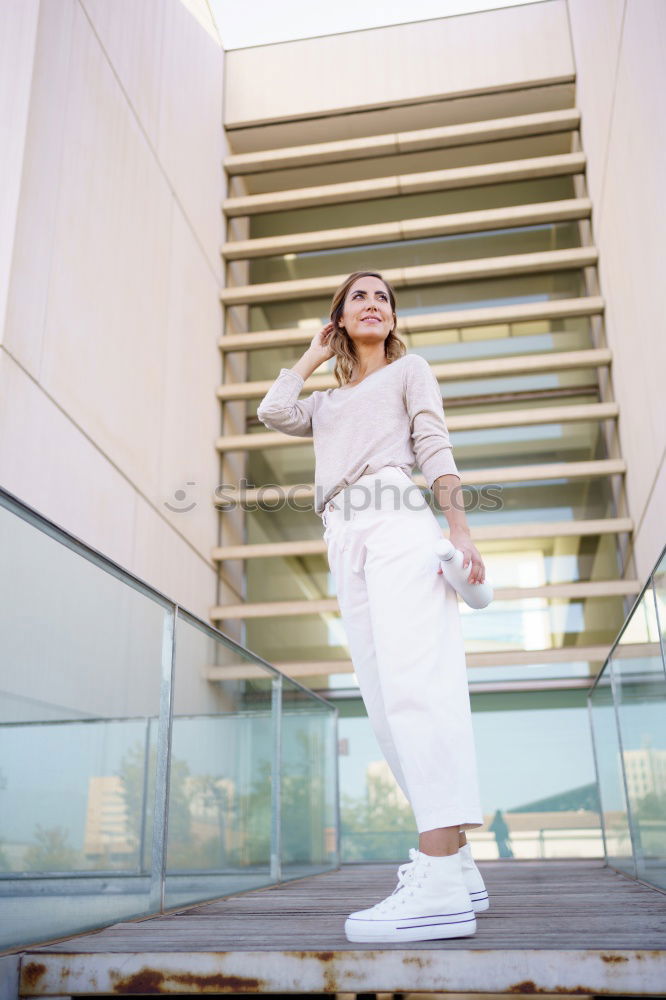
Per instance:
{"type": "Point", "coordinates": [480, 901]}
{"type": "Point", "coordinates": [425, 928]}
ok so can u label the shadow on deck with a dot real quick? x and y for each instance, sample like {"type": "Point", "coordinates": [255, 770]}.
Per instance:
{"type": "Point", "coordinates": [565, 927]}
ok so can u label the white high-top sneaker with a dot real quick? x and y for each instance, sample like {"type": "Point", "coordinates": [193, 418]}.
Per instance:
{"type": "Point", "coordinates": [473, 880]}
{"type": "Point", "coordinates": [430, 901]}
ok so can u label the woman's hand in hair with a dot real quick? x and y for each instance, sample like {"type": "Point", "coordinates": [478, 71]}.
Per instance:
{"type": "Point", "coordinates": [319, 346]}
{"type": "Point", "coordinates": [318, 352]}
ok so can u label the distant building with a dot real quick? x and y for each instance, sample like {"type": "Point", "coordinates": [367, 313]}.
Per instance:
{"type": "Point", "coordinates": [646, 772]}
{"type": "Point", "coordinates": [107, 831]}
{"type": "Point", "coordinates": [382, 783]}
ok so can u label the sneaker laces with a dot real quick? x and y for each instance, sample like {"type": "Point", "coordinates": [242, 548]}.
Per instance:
{"type": "Point", "coordinates": [406, 875]}
{"type": "Point", "coordinates": [407, 871]}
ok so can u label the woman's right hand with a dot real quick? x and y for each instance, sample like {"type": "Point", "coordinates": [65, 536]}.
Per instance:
{"type": "Point", "coordinates": [319, 346]}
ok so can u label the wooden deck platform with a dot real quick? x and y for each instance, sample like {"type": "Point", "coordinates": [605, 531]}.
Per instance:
{"type": "Point", "coordinates": [565, 927]}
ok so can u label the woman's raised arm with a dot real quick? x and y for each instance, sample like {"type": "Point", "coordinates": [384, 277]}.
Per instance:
{"type": "Point", "coordinates": [280, 409]}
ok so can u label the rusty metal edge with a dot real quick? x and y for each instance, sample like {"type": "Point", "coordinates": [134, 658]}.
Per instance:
{"type": "Point", "coordinates": [586, 972]}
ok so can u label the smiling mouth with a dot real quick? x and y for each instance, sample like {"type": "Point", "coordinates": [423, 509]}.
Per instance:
{"type": "Point", "coordinates": [371, 319]}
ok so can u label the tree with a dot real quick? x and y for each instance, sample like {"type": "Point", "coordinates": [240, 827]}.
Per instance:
{"type": "Point", "coordinates": [51, 852]}
{"type": "Point", "coordinates": [376, 826]}
{"type": "Point", "coordinates": [134, 773]}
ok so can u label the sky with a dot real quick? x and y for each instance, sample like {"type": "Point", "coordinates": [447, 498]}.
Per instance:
{"type": "Point", "coordinates": [259, 22]}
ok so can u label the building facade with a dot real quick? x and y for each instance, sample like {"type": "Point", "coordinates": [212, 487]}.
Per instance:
{"type": "Point", "coordinates": [176, 220]}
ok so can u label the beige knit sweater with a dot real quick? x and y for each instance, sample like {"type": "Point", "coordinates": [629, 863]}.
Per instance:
{"type": "Point", "coordinates": [394, 416]}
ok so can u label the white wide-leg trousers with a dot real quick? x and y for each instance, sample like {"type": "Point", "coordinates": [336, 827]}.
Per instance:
{"type": "Point", "coordinates": [402, 623]}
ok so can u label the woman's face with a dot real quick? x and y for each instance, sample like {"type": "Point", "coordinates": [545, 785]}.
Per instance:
{"type": "Point", "coordinates": [367, 315]}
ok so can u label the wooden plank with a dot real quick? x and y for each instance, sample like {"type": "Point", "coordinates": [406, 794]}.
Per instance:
{"type": "Point", "coordinates": [553, 926]}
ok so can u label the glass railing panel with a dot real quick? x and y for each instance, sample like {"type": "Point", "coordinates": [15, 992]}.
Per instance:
{"type": "Point", "coordinates": [222, 769]}
{"type": "Point", "coordinates": [546, 808]}
{"type": "Point", "coordinates": [640, 690]}
{"type": "Point", "coordinates": [308, 783]}
{"type": "Point", "coordinates": [411, 206]}
{"type": "Point", "coordinates": [95, 697]}
{"type": "Point", "coordinates": [80, 678]}
{"type": "Point", "coordinates": [241, 732]}
{"type": "Point", "coordinates": [549, 803]}
{"type": "Point", "coordinates": [610, 778]}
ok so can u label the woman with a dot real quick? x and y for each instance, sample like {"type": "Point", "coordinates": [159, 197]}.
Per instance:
{"type": "Point", "coordinates": [400, 615]}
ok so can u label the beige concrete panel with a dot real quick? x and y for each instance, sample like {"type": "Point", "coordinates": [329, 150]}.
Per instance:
{"type": "Point", "coordinates": [103, 346]}
{"type": "Point", "coordinates": [433, 322]}
{"type": "Point", "coordinates": [324, 605]}
{"type": "Point", "coordinates": [595, 34]}
{"type": "Point", "coordinates": [50, 464]}
{"type": "Point", "coordinates": [18, 32]}
{"type": "Point", "coordinates": [200, 9]}
{"type": "Point", "coordinates": [384, 232]}
{"type": "Point", "coordinates": [632, 236]}
{"type": "Point", "coordinates": [482, 533]}
{"type": "Point", "coordinates": [188, 350]}
{"type": "Point", "coordinates": [165, 558]}
{"type": "Point", "coordinates": [191, 143]}
{"type": "Point", "coordinates": [131, 35]}
{"type": "Point", "coordinates": [34, 245]}
{"type": "Point", "coordinates": [387, 145]}
{"type": "Point", "coordinates": [400, 63]}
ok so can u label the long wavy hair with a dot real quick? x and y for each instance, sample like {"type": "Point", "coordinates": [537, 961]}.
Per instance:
{"type": "Point", "coordinates": [346, 355]}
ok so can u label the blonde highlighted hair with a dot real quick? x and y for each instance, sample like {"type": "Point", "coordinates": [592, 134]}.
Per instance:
{"type": "Point", "coordinates": [346, 356]}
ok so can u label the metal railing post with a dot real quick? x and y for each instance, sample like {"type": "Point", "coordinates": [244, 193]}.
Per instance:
{"type": "Point", "coordinates": [163, 762]}
{"type": "Point", "coordinates": [660, 630]}
{"type": "Point", "coordinates": [597, 774]}
{"type": "Point", "coordinates": [630, 815]}
{"type": "Point", "coordinates": [276, 782]}
{"type": "Point", "coordinates": [145, 782]}
{"type": "Point", "coordinates": [336, 783]}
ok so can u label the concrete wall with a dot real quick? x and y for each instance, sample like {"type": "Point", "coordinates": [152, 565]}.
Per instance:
{"type": "Point", "coordinates": [615, 48]}
{"type": "Point", "coordinates": [109, 264]}
{"type": "Point", "coordinates": [398, 64]}
{"type": "Point", "coordinates": [619, 48]}
{"type": "Point", "coordinates": [110, 276]}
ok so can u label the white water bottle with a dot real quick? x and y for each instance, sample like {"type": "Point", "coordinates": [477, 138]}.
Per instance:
{"type": "Point", "coordinates": [477, 595]}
